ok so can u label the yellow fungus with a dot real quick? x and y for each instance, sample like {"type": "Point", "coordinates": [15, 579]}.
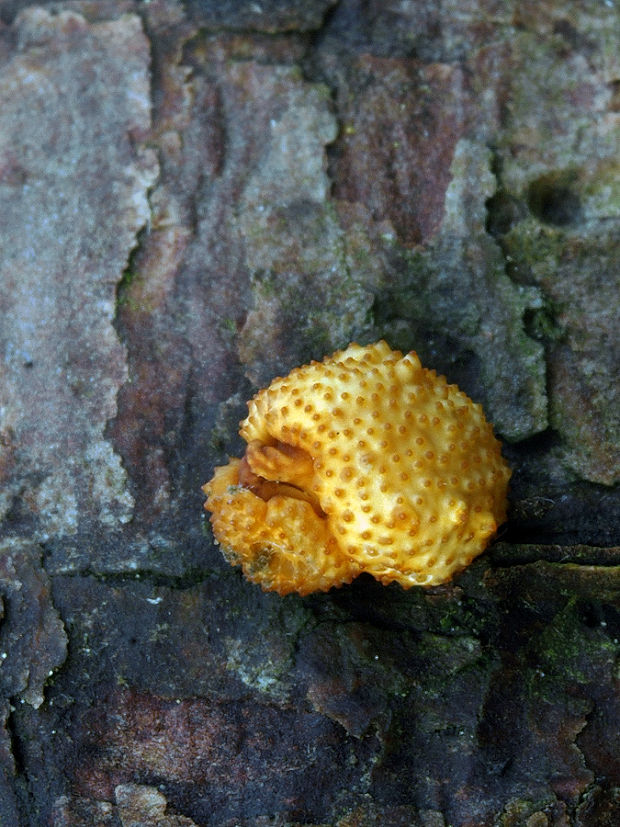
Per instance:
{"type": "Point", "coordinates": [301, 517]}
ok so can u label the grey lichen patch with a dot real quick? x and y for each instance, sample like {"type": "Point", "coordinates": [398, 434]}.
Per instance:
{"type": "Point", "coordinates": [560, 113]}
{"type": "Point", "coordinates": [512, 363]}
{"type": "Point", "coordinates": [59, 497]}
{"type": "Point", "coordinates": [108, 484]}
{"type": "Point", "coordinates": [576, 270]}
{"type": "Point", "coordinates": [306, 301]}
{"type": "Point", "coordinates": [57, 503]}
{"type": "Point", "coordinates": [74, 203]}
{"type": "Point", "coordinates": [293, 164]}
{"type": "Point", "coordinates": [264, 676]}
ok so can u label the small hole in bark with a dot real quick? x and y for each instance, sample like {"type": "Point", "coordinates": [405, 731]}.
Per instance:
{"type": "Point", "coordinates": [503, 212]}
{"type": "Point", "coordinates": [554, 200]}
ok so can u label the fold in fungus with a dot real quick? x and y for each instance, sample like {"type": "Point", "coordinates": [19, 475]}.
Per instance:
{"type": "Point", "coordinates": [364, 462]}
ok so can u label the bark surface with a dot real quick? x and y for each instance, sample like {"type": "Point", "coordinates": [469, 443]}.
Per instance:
{"type": "Point", "coordinates": [196, 197]}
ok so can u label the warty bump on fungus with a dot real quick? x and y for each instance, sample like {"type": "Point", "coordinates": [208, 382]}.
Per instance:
{"type": "Point", "coordinates": [364, 462]}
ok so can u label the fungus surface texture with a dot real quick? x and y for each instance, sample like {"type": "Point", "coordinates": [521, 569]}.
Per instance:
{"type": "Point", "coordinates": [364, 462]}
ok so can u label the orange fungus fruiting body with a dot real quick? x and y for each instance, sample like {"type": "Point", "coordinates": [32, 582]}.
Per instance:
{"type": "Point", "coordinates": [364, 462]}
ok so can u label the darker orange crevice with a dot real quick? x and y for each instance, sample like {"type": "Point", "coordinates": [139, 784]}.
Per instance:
{"type": "Point", "coordinates": [290, 458]}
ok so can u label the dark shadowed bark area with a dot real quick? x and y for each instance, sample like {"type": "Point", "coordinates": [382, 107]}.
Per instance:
{"type": "Point", "coordinates": [197, 196]}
